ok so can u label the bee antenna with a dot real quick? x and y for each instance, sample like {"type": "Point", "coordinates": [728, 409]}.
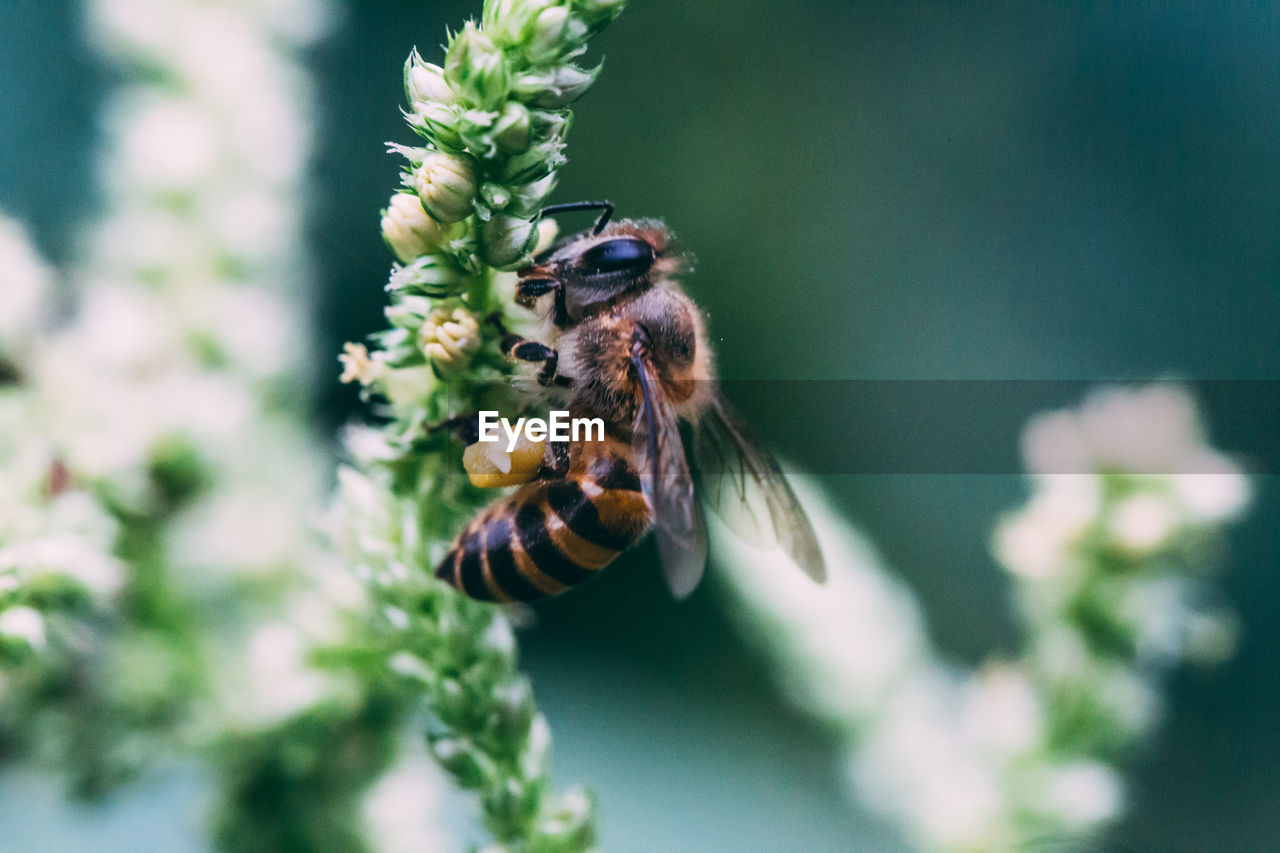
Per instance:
{"type": "Point", "coordinates": [606, 208]}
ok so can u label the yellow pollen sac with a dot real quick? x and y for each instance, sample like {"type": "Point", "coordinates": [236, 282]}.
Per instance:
{"type": "Point", "coordinates": [490, 466]}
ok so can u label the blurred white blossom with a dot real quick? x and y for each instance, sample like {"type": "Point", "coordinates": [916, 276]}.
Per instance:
{"type": "Point", "coordinates": [1105, 558]}
{"type": "Point", "coordinates": [862, 629]}
{"type": "Point", "coordinates": [144, 446]}
{"type": "Point", "coordinates": [406, 808]}
{"type": "Point", "coordinates": [25, 281]}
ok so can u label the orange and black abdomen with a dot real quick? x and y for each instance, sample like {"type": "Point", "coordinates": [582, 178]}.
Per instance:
{"type": "Point", "coordinates": [548, 536]}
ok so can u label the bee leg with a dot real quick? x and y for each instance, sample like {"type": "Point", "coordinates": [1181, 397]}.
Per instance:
{"type": "Point", "coordinates": [523, 349]}
{"type": "Point", "coordinates": [550, 374]}
{"type": "Point", "coordinates": [467, 427]}
{"type": "Point", "coordinates": [528, 289]}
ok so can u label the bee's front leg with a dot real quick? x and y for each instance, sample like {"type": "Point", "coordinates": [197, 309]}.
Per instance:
{"type": "Point", "coordinates": [522, 349]}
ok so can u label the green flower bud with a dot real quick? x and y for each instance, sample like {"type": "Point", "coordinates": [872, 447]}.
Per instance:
{"type": "Point", "coordinates": [447, 185]}
{"type": "Point", "coordinates": [493, 13]}
{"type": "Point", "coordinates": [514, 707]}
{"type": "Point", "coordinates": [409, 312]}
{"type": "Point", "coordinates": [496, 196]}
{"type": "Point", "coordinates": [451, 702]}
{"type": "Point", "coordinates": [430, 275]}
{"type": "Point", "coordinates": [513, 805]}
{"type": "Point", "coordinates": [406, 387]}
{"type": "Point", "coordinates": [438, 123]}
{"type": "Point", "coordinates": [550, 123]}
{"type": "Point", "coordinates": [425, 83]}
{"type": "Point", "coordinates": [476, 68]}
{"type": "Point", "coordinates": [546, 41]}
{"type": "Point", "coordinates": [528, 199]}
{"type": "Point", "coordinates": [505, 241]}
{"type": "Point", "coordinates": [476, 129]}
{"type": "Point", "coordinates": [598, 12]}
{"type": "Point", "coordinates": [512, 130]}
{"type": "Point", "coordinates": [534, 164]}
{"type": "Point", "coordinates": [555, 88]}
{"type": "Point", "coordinates": [571, 825]}
{"type": "Point", "coordinates": [468, 765]}
{"type": "Point", "coordinates": [509, 21]}
{"type": "Point", "coordinates": [408, 230]}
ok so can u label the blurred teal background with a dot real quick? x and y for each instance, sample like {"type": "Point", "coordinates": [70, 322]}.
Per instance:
{"type": "Point", "coordinates": [872, 190]}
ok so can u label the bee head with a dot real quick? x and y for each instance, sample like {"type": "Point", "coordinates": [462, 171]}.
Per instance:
{"type": "Point", "coordinates": [593, 268]}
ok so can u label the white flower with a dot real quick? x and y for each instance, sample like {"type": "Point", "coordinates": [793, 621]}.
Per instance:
{"type": "Point", "coordinates": [448, 338]}
{"type": "Point", "coordinates": [408, 809]}
{"type": "Point", "coordinates": [1001, 710]}
{"type": "Point", "coordinates": [1212, 487]}
{"type": "Point", "coordinates": [842, 643]}
{"type": "Point", "coordinates": [23, 623]}
{"type": "Point", "coordinates": [1082, 795]}
{"type": "Point", "coordinates": [1036, 542]}
{"type": "Point", "coordinates": [918, 765]}
{"type": "Point", "coordinates": [86, 562]}
{"type": "Point", "coordinates": [24, 285]}
{"type": "Point", "coordinates": [166, 143]}
{"type": "Point", "coordinates": [1148, 430]}
{"type": "Point", "coordinates": [1144, 522]}
{"type": "Point", "coordinates": [1151, 430]}
{"type": "Point", "coordinates": [277, 679]}
{"type": "Point", "coordinates": [245, 532]}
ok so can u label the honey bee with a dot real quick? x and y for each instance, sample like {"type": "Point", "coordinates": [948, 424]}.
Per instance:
{"type": "Point", "coordinates": [624, 343]}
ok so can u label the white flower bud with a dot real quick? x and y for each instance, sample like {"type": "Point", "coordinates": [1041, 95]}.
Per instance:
{"type": "Point", "coordinates": [546, 41]}
{"type": "Point", "coordinates": [447, 185]}
{"type": "Point", "coordinates": [555, 89]}
{"type": "Point", "coordinates": [476, 68]}
{"type": "Point", "coordinates": [408, 230]}
{"type": "Point", "coordinates": [505, 241]}
{"type": "Point", "coordinates": [509, 21]}
{"type": "Point", "coordinates": [439, 123]}
{"type": "Point", "coordinates": [425, 83]}
{"type": "Point", "coordinates": [528, 199]}
{"type": "Point", "coordinates": [534, 164]}
{"type": "Point", "coordinates": [511, 131]}
{"type": "Point", "coordinates": [436, 276]}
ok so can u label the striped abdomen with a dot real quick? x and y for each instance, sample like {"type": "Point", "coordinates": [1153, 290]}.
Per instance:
{"type": "Point", "coordinates": [548, 536]}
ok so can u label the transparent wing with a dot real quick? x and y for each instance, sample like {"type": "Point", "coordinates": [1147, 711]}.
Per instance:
{"type": "Point", "coordinates": [744, 485]}
{"type": "Point", "coordinates": [664, 476]}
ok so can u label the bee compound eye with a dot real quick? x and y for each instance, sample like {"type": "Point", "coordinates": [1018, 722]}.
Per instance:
{"type": "Point", "coordinates": [628, 255]}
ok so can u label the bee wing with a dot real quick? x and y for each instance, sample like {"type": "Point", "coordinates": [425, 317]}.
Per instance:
{"type": "Point", "coordinates": [667, 483]}
{"type": "Point", "coordinates": [744, 485]}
